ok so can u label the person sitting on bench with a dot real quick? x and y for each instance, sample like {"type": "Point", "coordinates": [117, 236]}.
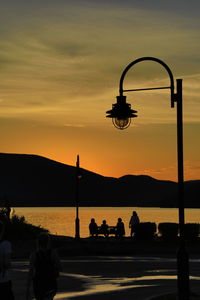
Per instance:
{"type": "Point", "coordinates": [104, 228]}
{"type": "Point", "coordinates": [120, 230]}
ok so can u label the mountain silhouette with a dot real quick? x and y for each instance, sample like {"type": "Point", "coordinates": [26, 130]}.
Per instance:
{"type": "Point", "coordinates": [32, 180]}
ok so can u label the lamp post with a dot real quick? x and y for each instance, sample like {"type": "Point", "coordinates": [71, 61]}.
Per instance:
{"type": "Point", "coordinates": [121, 114]}
{"type": "Point", "coordinates": [77, 220]}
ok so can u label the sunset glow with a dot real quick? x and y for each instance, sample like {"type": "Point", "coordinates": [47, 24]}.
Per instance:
{"type": "Point", "coordinates": [60, 65]}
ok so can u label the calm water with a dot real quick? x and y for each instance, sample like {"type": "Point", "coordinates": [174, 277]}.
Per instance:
{"type": "Point", "coordinates": [61, 221]}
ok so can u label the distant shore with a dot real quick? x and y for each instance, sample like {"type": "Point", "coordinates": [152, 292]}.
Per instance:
{"type": "Point", "coordinates": [96, 206]}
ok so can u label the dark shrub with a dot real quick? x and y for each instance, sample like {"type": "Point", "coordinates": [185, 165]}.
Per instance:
{"type": "Point", "coordinates": [145, 231]}
{"type": "Point", "coordinates": [18, 229]}
{"type": "Point", "coordinates": [168, 231]}
{"type": "Point", "coordinates": [191, 231]}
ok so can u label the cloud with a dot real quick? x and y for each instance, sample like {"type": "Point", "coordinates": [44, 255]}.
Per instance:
{"type": "Point", "coordinates": [75, 125]}
{"type": "Point", "coordinates": [68, 56]}
{"type": "Point", "coordinates": [191, 171]}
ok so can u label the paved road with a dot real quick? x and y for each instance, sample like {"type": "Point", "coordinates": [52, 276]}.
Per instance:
{"type": "Point", "coordinates": [112, 277]}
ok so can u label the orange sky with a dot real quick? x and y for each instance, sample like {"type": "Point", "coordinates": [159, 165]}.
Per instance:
{"type": "Point", "coordinates": [60, 67]}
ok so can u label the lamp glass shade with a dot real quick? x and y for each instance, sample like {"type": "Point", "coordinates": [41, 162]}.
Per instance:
{"type": "Point", "coordinates": [121, 113]}
{"type": "Point", "coordinates": [121, 123]}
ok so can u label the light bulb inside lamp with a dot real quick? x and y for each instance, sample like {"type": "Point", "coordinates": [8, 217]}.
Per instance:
{"type": "Point", "coordinates": [121, 123]}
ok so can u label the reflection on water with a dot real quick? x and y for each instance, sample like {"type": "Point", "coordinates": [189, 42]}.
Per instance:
{"type": "Point", "coordinates": [61, 221]}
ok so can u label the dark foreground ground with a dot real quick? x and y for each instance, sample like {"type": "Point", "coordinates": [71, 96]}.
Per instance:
{"type": "Point", "coordinates": [135, 277]}
{"type": "Point", "coordinates": [112, 269]}
{"type": "Point", "coordinates": [68, 246]}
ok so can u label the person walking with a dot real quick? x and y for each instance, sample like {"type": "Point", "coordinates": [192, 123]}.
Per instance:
{"type": "Point", "coordinates": [6, 292]}
{"type": "Point", "coordinates": [133, 223]}
{"type": "Point", "coordinates": [44, 270]}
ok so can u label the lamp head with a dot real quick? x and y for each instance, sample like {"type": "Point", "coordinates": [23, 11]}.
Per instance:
{"type": "Point", "coordinates": [78, 171]}
{"type": "Point", "coordinates": [121, 113]}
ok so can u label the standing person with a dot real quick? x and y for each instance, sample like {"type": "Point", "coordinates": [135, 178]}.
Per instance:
{"type": "Point", "coordinates": [93, 228]}
{"type": "Point", "coordinates": [7, 208]}
{"type": "Point", "coordinates": [133, 223]}
{"type": "Point", "coordinates": [44, 270]}
{"type": "Point", "coordinates": [6, 292]}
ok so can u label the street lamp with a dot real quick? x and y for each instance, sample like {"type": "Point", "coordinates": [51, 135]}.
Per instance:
{"type": "Point", "coordinates": [121, 114]}
{"type": "Point", "coordinates": [77, 221]}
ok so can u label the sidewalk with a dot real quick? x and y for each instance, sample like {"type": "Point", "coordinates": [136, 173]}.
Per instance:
{"type": "Point", "coordinates": [113, 278]}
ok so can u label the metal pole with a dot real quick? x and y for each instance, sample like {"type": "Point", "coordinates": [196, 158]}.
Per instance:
{"type": "Point", "coordinates": [182, 255]}
{"type": "Point", "coordinates": [77, 221]}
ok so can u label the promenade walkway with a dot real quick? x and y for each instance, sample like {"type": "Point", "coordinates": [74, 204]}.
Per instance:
{"type": "Point", "coordinates": [138, 277]}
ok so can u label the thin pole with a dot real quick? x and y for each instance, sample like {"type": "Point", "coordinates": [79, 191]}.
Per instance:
{"type": "Point", "coordinates": [77, 221]}
{"type": "Point", "coordinates": [149, 89]}
{"type": "Point", "coordinates": [182, 255]}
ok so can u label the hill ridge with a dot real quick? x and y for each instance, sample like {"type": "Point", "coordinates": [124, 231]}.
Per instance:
{"type": "Point", "coordinates": [34, 180]}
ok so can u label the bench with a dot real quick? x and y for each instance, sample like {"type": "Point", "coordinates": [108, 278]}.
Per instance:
{"type": "Point", "coordinates": [111, 230]}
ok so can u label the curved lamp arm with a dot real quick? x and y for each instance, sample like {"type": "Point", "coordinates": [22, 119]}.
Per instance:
{"type": "Point", "coordinates": [171, 87]}
{"type": "Point", "coordinates": [121, 114]}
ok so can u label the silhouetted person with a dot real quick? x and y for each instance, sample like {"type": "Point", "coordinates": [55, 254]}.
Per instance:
{"type": "Point", "coordinates": [6, 292]}
{"type": "Point", "coordinates": [44, 270]}
{"type": "Point", "coordinates": [133, 223]}
{"type": "Point", "coordinates": [93, 228]}
{"type": "Point", "coordinates": [104, 228]}
{"type": "Point", "coordinates": [7, 208]}
{"type": "Point", "coordinates": [120, 230]}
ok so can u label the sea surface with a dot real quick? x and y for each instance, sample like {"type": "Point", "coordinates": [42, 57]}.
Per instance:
{"type": "Point", "coordinates": [61, 220]}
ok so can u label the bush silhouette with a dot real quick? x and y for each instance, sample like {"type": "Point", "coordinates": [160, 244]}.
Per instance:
{"type": "Point", "coordinates": [18, 229]}
{"type": "Point", "coordinates": [145, 231]}
{"type": "Point", "coordinates": [168, 231]}
{"type": "Point", "coordinates": [191, 231]}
